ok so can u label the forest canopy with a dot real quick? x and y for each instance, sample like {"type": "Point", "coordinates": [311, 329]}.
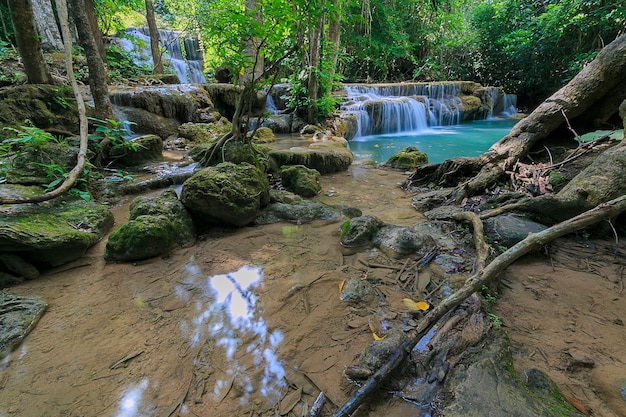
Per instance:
{"type": "Point", "coordinates": [529, 47]}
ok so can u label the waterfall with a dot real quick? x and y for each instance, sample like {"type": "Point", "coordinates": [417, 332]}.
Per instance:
{"type": "Point", "coordinates": [186, 63]}
{"type": "Point", "coordinates": [412, 107]}
{"type": "Point", "coordinates": [406, 107]}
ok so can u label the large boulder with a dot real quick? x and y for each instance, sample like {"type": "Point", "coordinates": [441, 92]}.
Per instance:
{"type": "Point", "coordinates": [199, 133]}
{"type": "Point", "coordinates": [147, 148]}
{"type": "Point", "coordinates": [51, 233]}
{"type": "Point", "coordinates": [46, 106]}
{"type": "Point", "coordinates": [301, 180]}
{"type": "Point", "coordinates": [155, 227]}
{"type": "Point", "coordinates": [40, 164]}
{"type": "Point", "coordinates": [326, 157]}
{"type": "Point", "coordinates": [226, 193]}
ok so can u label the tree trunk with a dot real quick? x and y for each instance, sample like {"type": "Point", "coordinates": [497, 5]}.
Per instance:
{"type": "Point", "coordinates": [597, 83]}
{"type": "Point", "coordinates": [334, 35]}
{"type": "Point", "coordinates": [97, 71]}
{"type": "Point", "coordinates": [253, 51]}
{"type": "Point", "coordinates": [314, 62]}
{"type": "Point", "coordinates": [28, 42]}
{"type": "Point", "coordinates": [155, 39]}
{"type": "Point", "coordinates": [47, 25]}
{"type": "Point", "coordinates": [90, 9]}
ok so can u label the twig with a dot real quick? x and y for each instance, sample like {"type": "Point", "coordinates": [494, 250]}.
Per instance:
{"type": "Point", "coordinates": [124, 360]}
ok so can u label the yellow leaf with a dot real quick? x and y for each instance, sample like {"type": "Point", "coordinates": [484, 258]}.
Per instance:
{"type": "Point", "coordinates": [341, 284]}
{"type": "Point", "coordinates": [415, 306]}
{"type": "Point", "coordinates": [377, 337]}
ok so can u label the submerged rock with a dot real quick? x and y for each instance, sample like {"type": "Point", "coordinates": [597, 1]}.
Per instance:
{"type": "Point", "coordinates": [359, 231]}
{"type": "Point", "coordinates": [303, 212]}
{"type": "Point", "coordinates": [356, 290]}
{"type": "Point", "coordinates": [18, 316]}
{"type": "Point", "coordinates": [54, 232]}
{"type": "Point", "coordinates": [155, 227]}
{"type": "Point", "coordinates": [301, 180]}
{"type": "Point", "coordinates": [226, 193]}
{"type": "Point", "coordinates": [401, 241]}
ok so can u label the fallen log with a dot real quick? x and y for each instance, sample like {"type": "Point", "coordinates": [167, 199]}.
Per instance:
{"type": "Point", "coordinates": [474, 283]}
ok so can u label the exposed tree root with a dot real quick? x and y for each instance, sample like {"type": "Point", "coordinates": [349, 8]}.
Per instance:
{"type": "Point", "coordinates": [474, 283]}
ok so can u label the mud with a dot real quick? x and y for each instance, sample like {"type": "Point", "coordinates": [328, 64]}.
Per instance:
{"type": "Point", "coordinates": [249, 322]}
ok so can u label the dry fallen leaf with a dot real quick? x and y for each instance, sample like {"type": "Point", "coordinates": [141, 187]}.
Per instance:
{"type": "Point", "coordinates": [415, 305]}
{"type": "Point", "coordinates": [341, 284]}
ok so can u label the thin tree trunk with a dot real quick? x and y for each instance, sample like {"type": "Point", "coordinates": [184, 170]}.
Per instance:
{"type": "Point", "coordinates": [334, 37]}
{"type": "Point", "coordinates": [77, 171]}
{"type": "Point", "coordinates": [90, 9]}
{"type": "Point", "coordinates": [314, 63]}
{"type": "Point", "coordinates": [97, 71]}
{"type": "Point", "coordinates": [28, 42]}
{"type": "Point", "coordinates": [155, 39]}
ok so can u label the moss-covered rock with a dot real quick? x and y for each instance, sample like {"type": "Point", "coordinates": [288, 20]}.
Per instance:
{"type": "Point", "coordinates": [148, 148]}
{"type": "Point", "coordinates": [326, 157]}
{"type": "Point", "coordinates": [155, 227]}
{"type": "Point", "coordinates": [54, 232]}
{"type": "Point", "coordinates": [264, 135]}
{"type": "Point", "coordinates": [18, 316]}
{"type": "Point", "coordinates": [301, 180]}
{"type": "Point", "coordinates": [46, 106]}
{"type": "Point", "coordinates": [40, 164]}
{"type": "Point", "coordinates": [227, 193]}
{"type": "Point", "coordinates": [234, 151]}
{"type": "Point", "coordinates": [407, 159]}
{"type": "Point", "coordinates": [204, 133]}
{"type": "Point", "coordinates": [401, 241]}
{"type": "Point", "coordinates": [359, 231]}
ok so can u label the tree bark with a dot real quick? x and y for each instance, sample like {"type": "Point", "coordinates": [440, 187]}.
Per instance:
{"type": "Point", "coordinates": [47, 25]}
{"type": "Point", "coordinates": [97, 70]}
{"type": "Point", "coordinates": [334, 38]}
{"type": "Point", "coordinates": [314, 63]}
{"type": "Point", "coordinates": [28, 42]}
{"type": "Point", "coordinates": [155, 39]}
{"type": "Point", "coordinates": [92, 16]}
{"type": "Point", "coordinates": [597, 81]}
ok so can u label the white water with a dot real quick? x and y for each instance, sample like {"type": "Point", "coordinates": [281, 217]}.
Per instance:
{"type": "Point", "coordinates": [187, 66]}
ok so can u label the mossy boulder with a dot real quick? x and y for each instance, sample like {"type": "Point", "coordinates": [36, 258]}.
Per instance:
{"type": "Point", "coordinates": [401, 241]}
{"type": "Point", "coordinates": [234, 151]}
{"type": "Point", "coordinates": [40, 164]}
{"type": "Point", "coordinates": [301, 180]}
{"type": "Point", "coordinates": [226, 193]}
{"type": "Point", "coordinates": [359, 231]}
{"type": "Point", "coordinates": [147, 148]}
{"type": "Point", "coordinates": [326, 157]}
{"type": "Point", "coordinates": [155, 227]}
{"type": "Point", "coordinates": [407, 159]}
{"type": "Point", "coordinates": [203, 133]}
{"type": "Point", "coordinates": [46, 106]}
{"type": "Point", "coordinates": [264, 135]}
{"type": "Point", "coordinates": [51, 233]}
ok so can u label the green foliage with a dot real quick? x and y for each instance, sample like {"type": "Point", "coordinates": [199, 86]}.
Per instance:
{"type": "Point", "coordinates": [121, 176]}
{"type": "Point", "coordinates": [121, 64]}
{"type": "Point", "coordinates": [488, 296]}
{"type": "Point", "coordinates": [116, 132]}
{"type": "Point", "coordinates": [26, 138]}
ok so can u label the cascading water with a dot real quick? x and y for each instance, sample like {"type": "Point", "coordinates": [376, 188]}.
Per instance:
{"type": "Point", "coordinates": [412, 107]}
{"type": "Point", "coordinates": [187, 63]}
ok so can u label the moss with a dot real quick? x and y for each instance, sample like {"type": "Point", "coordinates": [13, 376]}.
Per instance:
{"type": "Point", "coordinates": [556, 178]}
{"type": "Point", "coordinates": [407, 159]}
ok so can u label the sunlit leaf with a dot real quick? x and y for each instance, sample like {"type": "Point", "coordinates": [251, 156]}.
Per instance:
{"type": "Point", "coordinates": [341, 284]}
{"type": "Point", "coordinates": [377, 337]}
{"type": "Point", "coordinates": [415, 305]}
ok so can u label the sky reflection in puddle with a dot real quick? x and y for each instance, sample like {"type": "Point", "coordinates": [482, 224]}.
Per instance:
{"type": "Point", "coordinates": [229, 317]}
{"type": "Point", "coordinates": [131, 400]}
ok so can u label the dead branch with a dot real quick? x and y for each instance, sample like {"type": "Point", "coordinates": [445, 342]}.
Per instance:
{"type": "Point", "coordinates": [76, 172]}
{"type": "Point", "coordinates": [474, 283]}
